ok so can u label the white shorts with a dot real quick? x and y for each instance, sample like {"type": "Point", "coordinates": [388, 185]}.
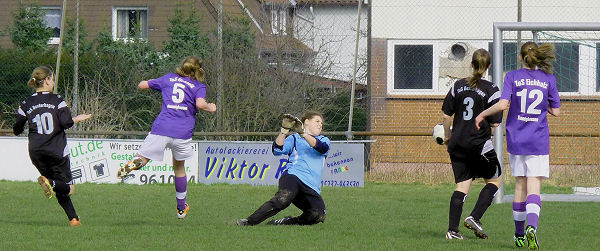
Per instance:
{"type": "Point", "coordinates": [530, 165]}
{"type": "Point", "coordinates": [154, 147]}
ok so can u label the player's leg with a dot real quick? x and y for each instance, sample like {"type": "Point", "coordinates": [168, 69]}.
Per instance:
{"type": "Point", "coordinates": [489, 169]}
{"type": "Point", "coordinates": [181, 150]}
{"type": "Point", "coordinates": [518, 170]}
{"type": "Point", "coordinates": [62, 181]}
{"type": "Point", "coordinates": [312, 206]}
{"type": "Point", "coordinates": [463, 179]}
{"type": "Point", "coordinates": [288, 189]}
{"type": "Point", "coordinates": [152, 148]}
{"type": "Point", "coordinates": [538, 167]}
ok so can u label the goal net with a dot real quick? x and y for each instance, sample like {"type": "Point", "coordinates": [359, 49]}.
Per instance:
{"type": "Point", "coordinates": [574, 141]}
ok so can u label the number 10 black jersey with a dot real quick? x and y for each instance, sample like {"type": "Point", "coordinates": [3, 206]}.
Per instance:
{"type": "Point", "coordinates": [48, 116]}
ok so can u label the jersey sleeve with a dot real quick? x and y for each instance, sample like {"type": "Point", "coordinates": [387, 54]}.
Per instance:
{"type": "Point", "coordinates": [157, 83]}
{"type": "Point", "coordinates": [201, 92]}
{"type": "Point", "coordinates": [553, 97]}
{"type": "Point", "coordinates": [19, 125]}
{"type": "Point", "coordinates": [288, 146]}
{"type": "Point", "coordinates": [492, 100]}
{"type": "Point", "coordinates": [448, 105]}
{"type": "Point", "coordinates": [507, 89]}
{"type": "Point", "coordinates": [64, 115]}
{"type": "Point", "coordinates": [322, 145]}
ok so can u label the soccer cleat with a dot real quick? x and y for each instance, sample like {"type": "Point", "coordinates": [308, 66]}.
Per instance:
{"type": "Point", "coordinates": [74, 222]}
{"type": "Point", "coordinates": [133, 164]}
{"type": "Point", "coordinates": [519, 241]}
{"type": "Point", "coordinates": [475, 225]}
{"type": "Point", "coordinates": [182, 213]}
{"type": "Point", "coordinates": [451, 234]}
{"type": "Point", "coordinates": [530, 233]}
{"type": "Point", "coordinates": [45, 183]}
{"type": "Point", "coordinates": [285, 221]}
{"type": "Point", "coordinates": [242, 222]}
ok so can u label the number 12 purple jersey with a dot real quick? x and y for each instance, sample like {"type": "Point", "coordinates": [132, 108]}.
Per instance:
{"type": "Point", "coordinates": [530, 92]}
{"type": "Point", "coordinates": [177, 116]}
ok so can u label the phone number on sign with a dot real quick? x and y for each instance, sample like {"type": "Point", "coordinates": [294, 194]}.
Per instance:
{"type": "Point", "coordinates": [340, 183]}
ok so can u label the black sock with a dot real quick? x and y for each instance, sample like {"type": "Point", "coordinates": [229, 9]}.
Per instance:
{"type": "Point", "coordinates": [456, 205]}
{"type": "Point", "coordinates": [60, 186]}
{"type": "Point", "coordinates": [484, 201]}
{"type": "Point", "coordinates": [66, 203]}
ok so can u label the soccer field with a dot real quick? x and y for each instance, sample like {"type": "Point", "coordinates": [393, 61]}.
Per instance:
{"type": "Point", "coordinates": [376, 217]}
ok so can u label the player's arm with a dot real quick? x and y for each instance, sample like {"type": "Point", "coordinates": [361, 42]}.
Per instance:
{"type": "Point", "coordinates": [201, 104]}
{"type": "Point", "coordinates": [19, 125]}
{"type": "Point", "coordinates": [143, 85]}
{"type": "Point", "coordinates": [554, 111]}
{"type": "Point", "coordinates": [498, 107]}
{"type": "Point", "coordinates": [283, 144]}
{"type": "Point", "coordinates": [321, 145]}
{"type": "Point", "coordinates": [447, 121]}
{"type": "Point", "coordinates": [81, 117]}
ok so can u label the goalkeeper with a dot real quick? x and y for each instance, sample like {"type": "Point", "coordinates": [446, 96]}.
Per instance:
{"type": "Point", "coordinates": [300, 183]}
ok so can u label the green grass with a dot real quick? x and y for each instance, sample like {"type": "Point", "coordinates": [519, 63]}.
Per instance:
{"type": "Point", "coordinates": [376, 217]}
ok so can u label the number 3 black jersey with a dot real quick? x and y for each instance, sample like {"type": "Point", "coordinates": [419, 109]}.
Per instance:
{"type": "Point", "coordinates": [465, 103]}
{"type": "Point", "coordinates": [48, 116]}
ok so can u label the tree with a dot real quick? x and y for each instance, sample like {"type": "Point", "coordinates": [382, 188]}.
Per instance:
{"type": "Point", "coordinates": [29, 30]}
{"type": "Point", "coordinates": [187, 37]}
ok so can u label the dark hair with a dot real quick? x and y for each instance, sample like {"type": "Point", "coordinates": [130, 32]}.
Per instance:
{"type": "Point", "coordinates": [480, 62]}
{"type": "Point", "coordinates": [38, 76]}
{"type": "Point", "coordinates": [541, 56]}
{"type": "Point", "coordinates": [191, 67]}
{"type": "Point", "coordinates": [310, 115]}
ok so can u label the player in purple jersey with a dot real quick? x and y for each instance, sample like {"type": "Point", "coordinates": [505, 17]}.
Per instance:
{"type": "Point", "coordinates": [183, 95]}
{"type": "Point", "coordinates": [471, 151]}
{"type": "Point", "coordinates": [531, 93]}
{"type": "Point", "coordinates": [49, 116]}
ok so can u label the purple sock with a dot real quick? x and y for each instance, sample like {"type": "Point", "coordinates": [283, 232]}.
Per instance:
{"type": "Point", "coordinates": [181, 191]}
{"type": "Point", "coordinates": [519, 215]}
{"type": "Point", "coordinates": [534, 205]}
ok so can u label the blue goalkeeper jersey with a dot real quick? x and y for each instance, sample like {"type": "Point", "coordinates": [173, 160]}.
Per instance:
{"type": "Point", "coordinates": [305, 162]}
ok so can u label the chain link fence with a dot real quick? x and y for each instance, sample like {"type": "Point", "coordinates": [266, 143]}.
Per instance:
{"type": "Point", "coordinates": [289, 56]}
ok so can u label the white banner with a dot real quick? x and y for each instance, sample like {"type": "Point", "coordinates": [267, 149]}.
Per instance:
{"type": "Point", "coordinates": [97, 161]}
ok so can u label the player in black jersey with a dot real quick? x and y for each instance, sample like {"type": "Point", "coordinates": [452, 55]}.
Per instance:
{"type": "Point", "coordinates": [48, 116]}
{"type": "Point", "coordinates": [471, 150]}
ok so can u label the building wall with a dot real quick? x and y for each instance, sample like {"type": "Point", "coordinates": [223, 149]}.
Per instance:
{"type": "Point", "coordinates": [97, 15]}
{"type": "Point", "coordinates": [417, 114]}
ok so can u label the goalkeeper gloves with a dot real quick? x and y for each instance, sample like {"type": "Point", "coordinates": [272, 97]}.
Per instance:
{"type": "Point", "coordinates": [299, 127]}
{"type": "Point", "coordinates": [287, 123]}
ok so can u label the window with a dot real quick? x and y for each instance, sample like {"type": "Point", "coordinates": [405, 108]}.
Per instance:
{"type": "Point", "coordinates": [412, 67]}
{"type": "Point", "coordinates": [130, 22]}
{"type": "Point", "coordinates": [52, 18]}
{"type": "Point", "coordinates": [278, 20]}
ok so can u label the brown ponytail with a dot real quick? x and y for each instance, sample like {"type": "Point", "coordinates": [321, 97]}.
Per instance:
{"type": "Point", "coordinates": [191, 67]}
{"type": "Point", "coordinates": [481, 61]}
{"type": "Point", "coordinates": [38, 76]}
{"type": "Point", "coordinates": [541, 56]}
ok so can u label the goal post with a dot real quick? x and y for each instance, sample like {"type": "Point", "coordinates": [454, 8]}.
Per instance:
{"type": "Point", "coordinates": [578, 74]}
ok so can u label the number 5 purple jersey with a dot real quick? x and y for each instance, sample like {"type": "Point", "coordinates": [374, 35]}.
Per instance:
{"type": "Point", "coordinates": [530, 93]}
{"type": "Point", "coordinates": [177, 116]}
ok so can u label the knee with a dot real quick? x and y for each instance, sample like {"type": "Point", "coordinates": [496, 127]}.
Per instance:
{"type": "Point", "coordinates": [315, 216]}
{"type": "Point", "coordinates": [282, 199]}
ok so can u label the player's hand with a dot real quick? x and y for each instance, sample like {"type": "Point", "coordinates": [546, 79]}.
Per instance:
{"type": "Point", "coordinates": [81, 117]}
{"type": "Point", "coordinates": [299, 128]}
{"type": "Point", "coordinates": [211, 107]}
{"type": "Point", "coordinates": [478, 120]}
{"type": "Point", "coordinates": [287, 123]}
{"type": "Point", "coordinates": [446, 140]}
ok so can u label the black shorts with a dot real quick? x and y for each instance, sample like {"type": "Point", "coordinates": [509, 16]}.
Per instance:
{"type": "Point", "coordinates": [305, 198]}
{"type": "Point", "coordinates": [52, 167]}
{"type": "Point", "coordinates": [470, 165]}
